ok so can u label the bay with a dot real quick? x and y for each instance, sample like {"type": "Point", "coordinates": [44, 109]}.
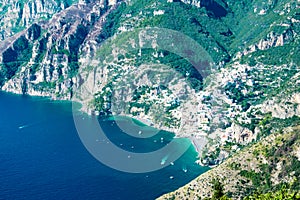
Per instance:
{"type": "Point", "coordinates": [42, 156]}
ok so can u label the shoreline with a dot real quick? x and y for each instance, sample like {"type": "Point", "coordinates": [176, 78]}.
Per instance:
{"type": "Point", "coordinates": [159, 176]}
{"type": "Point", "coordinates": [146, 122]}
{"type": "Point", "coordinates": [198, 143]}
{"type": "Point", "coordinates": [195, 145]}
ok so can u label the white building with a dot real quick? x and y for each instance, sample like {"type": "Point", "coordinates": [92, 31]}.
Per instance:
{"type": "Point", "coordinates": [158, 12]}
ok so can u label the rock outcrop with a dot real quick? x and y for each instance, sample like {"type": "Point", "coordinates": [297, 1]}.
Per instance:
{"type": "Point", "coordinates": [44, 58]}
{"type": "Point", "coordinates": [17, 15]}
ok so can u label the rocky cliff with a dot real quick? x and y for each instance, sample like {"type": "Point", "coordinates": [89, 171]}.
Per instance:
{"type": "Point", "coordinates": [43, 59]}
{"type": "Point", "coordinates": [17, 15]}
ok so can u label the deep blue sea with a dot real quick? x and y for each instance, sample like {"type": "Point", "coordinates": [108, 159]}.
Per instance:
{"type": "Point", "coordinates": [42, 157]}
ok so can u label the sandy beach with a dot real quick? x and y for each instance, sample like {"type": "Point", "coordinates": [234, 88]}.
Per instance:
{"type": "Point", "coordinates": [199, 143]}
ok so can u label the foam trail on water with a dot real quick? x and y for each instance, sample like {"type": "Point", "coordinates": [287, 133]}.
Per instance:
{"type": "Point", "coordinates": [24, 126]}
{"type": "Point", "coordinates": [28, 125]}
{"type": "Point", "coordinates": [163, 161]}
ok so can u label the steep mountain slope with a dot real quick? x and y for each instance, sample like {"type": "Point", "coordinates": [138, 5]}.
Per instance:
{"type": "Point", "coordinates": [266, 166]}
{"type": "Point", "coordinates": [43, 59]}
{"type": "Point", "coordinates": [16, 15]}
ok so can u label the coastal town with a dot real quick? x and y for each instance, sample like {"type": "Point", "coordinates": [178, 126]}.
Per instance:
{"type": "Point", "coordinates": [215, 120]}
{"type": "Point", "coordinates": [205, 116]}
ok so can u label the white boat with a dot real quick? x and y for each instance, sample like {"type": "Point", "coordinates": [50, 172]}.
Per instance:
{"type": "Point", "coordinates": [163, 161]}
{"type": "Point", "coordinates": [24, 126]}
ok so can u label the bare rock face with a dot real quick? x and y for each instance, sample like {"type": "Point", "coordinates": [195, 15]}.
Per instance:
{"type": "Point", "coordinates": [240, 134]}
{"type": "Point", "coordinates": [297, 153]}
{"type": "Point", "coordinates": [18, 15]}
{"type": "Point", "coordinates": [285, 109]}
{"type": "Point", "coordinates": [274, 40]}
{"type": "Point", "coordinates": [271, 40]}
{"type": "Point", "coordinates": [112, 2]}
{"type": "Point", "coordinates": [192, 2]}
{"type": "Point", "coordinates": [43, 59]}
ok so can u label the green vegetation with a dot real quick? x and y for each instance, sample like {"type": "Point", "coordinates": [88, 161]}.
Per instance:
{"type": "Point", "coordinates": [112, 23]}
{"type": "Point", "coordinates": [275, 124]}
{"type": "Point", "coordinates": [268, 169]}
{"type": "Point", "coordinates": [235, 166]}
{"type": "Point", "coordinates": [45, 86]}
{"type": "Point", "coordinates": [39, 58]}
{"type": "Point", "coordinates": [194, 23]}
{"type": "Point", "coordinates": [282, 194]}
{"type": "Point", "coordinates": [14, 58]}
{"type": "Point", "coordinates": [222, 28]}
{"type": "Point", "coordinates": [15, 16]}
{"type": "Point", "coordinates": [275, 56]}
{"type": "Point", "coordinates": [259, 180]}
{"type": "Point", "coordinates": [218, 189]}
{"type": "Point", "coordinates": [74, 43]}
{"type": "Point", "coordinates": [208, 32]}
{"type": "Point", "coordinates": [102, 100]}
{"type": "Point", "coordinates": [60, 51]}
{"type": "Point", "coordinates": [184, 67]}
{"type": "Point", "coordinates": [234, 91]}
{"type": "Point", "coordinates": [268, 81]}
{"type": "Point", "coordinates": [176, 62]}
{"type": "Point", "coordinates": [279, 151]}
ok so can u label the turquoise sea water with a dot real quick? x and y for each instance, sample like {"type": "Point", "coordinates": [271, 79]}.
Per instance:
{"type": "Point", "coordinates": [42, 157]}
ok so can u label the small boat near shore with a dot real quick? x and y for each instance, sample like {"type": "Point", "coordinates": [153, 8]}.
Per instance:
{"type": "Point", "coordinates": [163, 161]}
